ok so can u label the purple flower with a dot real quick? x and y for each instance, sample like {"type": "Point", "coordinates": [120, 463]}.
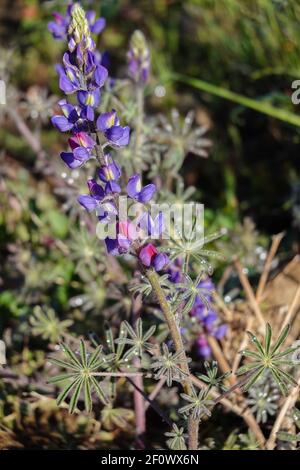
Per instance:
{"type": "Point", "coordinates": [109, 174]}
{"type": "Point", "coordinates": [137, 192]}
{"type": "Point", "coordinates": [160, 261]}
{"type": "Point", "coordinates": [152, 227]}
{"type": "Point", "coordinates": [149, 256]}
{"type": "Point", "coordinates": [81, 144]}
{"type": "Point", "coordinates": [69, 80]}
{"type": "Point", "coordinates": [90, 202]}
{"type": "Point", "coordinates": [96, 26]}
{"type": "Point", "coordinates": [59, 27]}
{"type": "Point", "coordinates": [175, 271]}
{"type": "Point", "coordinates": [220, 331]}
{"type": "Point", "coordinates": [138, 58]}
{"type": "Point", "coordinates": [100, 75]}
{"type": "Point", "coordinates": [108, 123]}
{"type": "Point", "coordinates": [203, 347]}
{"type": "Point", "coordinates": [107, 212]}
{"type": "Point", "coordinates": [89, 98]}
{"type": "Point", "coordinates": [68, 120]}
{"type": "Point", "coordinates": [125, 236]}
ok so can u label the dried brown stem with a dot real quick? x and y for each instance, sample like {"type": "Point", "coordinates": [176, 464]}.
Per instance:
{"type": "Point", "coordinates": [243, 345]}
{"type": "Point", "coordinates": [249, 292]}
{"type": "Point", "coordinates": [292, 309]}
{"type": "Point", "coordinates": [155, 391]}
{"type": "Point", "coordinates": [267, 266]}
{"type": "Point", "coordinates": [287, 405]}
{"type": "Point", "coordinates": [177, 340]}
{"type": "Point", "coordinates": [221, 304]}
{"type": "Point", "coordinates": [246, 414]}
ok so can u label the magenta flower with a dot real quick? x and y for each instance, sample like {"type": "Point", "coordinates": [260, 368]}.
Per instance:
{"type": "Point", "coordinates": [149, 256]}
{"type": "Point", "coordinates": [203, 347]}
{"type": "Point", "coordinates": [126, 234]}
{"type": "Point", "coordinates": [82, 145]}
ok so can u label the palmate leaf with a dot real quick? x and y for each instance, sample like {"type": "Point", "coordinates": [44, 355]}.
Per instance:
{"type": "Point", "coordinates": [198, 405]}
{"type": "Point", "coordinates": [61, 397]}
{"type": "Point", "coordinates": [75, 395]}
{"type": "Point", "coordinates": [169, 365]}
{"type": "Point", "coordinates": [136, 339]}
{"type": "Point", "coordinates": [82, 379]}
{"type": "Point", "coordinates": [189, 291]}
{"type": "Point", "coordinates": [268, 358]}
{"type": "Point", "coordinates": [176, 439]}
{"type": "Point", "coordinates": [211, 378]}
{"type": "Point", "coordinates": [45, 323]}
{"type": "Point", "coordinates": [288, 437]}
{"type": "Point", "coordinates": [281, 339]}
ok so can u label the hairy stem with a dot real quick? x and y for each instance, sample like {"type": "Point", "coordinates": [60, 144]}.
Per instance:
{"type": "Point", "coordinates": [139, 403]}
{"type": "Point", "coordinates": [139, 123]}
{"type": "Point", "coordinates": [177, 340]}
{"type": "Point", "coordinates": [248, 415]}
{"type": "Point", "coordinates": [287, 405]}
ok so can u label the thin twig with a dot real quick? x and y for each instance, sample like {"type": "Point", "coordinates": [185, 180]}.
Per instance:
{"type": "Point", "coordinates": [243, 345]}
{"type": "Point", "coordinates": [177, 340]}
{"type": "Point", "coordinates": [267, 266]}
{"type": "Point", "coordinates": [291, 311]}
{"type": "Point", "coordinates": [249, 292]}
{"type": "Point", "coordinates": [153, 405]}
{"type": "Point", "coordinates": [32, 140]}
{"type": "Point", "coordinates": [220, 302]}
{"type": "Point", "coordinates": [288, 404]}
{"type": "Point", "coordinates": [247, 413]}
{"type": "Point", "coordinates": [156, 391]}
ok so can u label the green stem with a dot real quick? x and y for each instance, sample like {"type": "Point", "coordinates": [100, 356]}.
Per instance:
{"type": "Point", "coordinates": [193, 424]}
{"type": "Point", "coordinates": [139, 124]}
{"type": "Point", "coordinates": [258, 105]}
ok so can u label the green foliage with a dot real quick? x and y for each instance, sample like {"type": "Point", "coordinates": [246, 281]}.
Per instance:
{"type": "Point", "coordinates": [46, 324]}
{"type": "Point", "coordinates": [169, 365]}
{"type": "Point", "coordinates": [268, 358]}
{"type": "Point", "coordinates": [287, 436]}
{"type": "Point", "coordinates": [136, 339]}
{"type": "Point", "coordinates": [211, 378]}
{"type": "Point", "coordinates": [81, 377]}
{"type": "Point", "coordinates": [176, 439]}
{"type": "Point", "coordinates": [198, 404]}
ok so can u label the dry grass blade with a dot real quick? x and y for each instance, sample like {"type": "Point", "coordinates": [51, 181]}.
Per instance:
{"type": "Point", "coordinates": [267, 267]}
{"type": "Point", "coordinates": [249, 293]}
{"type": "Point", "coordinates": [291, 311]}
{"type": "Point", "coordinates": [287, 405]}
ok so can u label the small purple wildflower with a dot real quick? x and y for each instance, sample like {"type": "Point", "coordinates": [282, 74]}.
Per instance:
{"type": "Point", "coordinates": [137, 192]}
{"type": "Point", "coordinates": [109, 174]}
{"type": "Point", "coordinates": [109, 124]}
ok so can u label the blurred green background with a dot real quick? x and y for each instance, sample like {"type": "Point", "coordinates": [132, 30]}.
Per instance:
{"type": "Point", "coordinates": [251, 48]}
